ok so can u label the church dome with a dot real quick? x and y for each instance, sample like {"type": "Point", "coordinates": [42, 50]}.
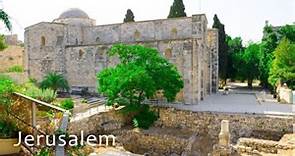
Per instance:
{"type": "Point", "coordinates": [73, 13]}
{"type": "Point", "coordinates": [75, 17]}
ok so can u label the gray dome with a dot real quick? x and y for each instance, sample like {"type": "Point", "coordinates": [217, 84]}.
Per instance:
{"type": "Point", "coordinates": [73, 13]}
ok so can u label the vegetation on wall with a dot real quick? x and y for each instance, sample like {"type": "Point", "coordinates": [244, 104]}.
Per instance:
{"type": "Point", "coordinates": [16, 69]}
{"type": "Point", "coordinates": [177, 9]}
{"type": "Point", "coordinates": [141, 73]}
{"type": "Point", "coordinates": [129, 17]}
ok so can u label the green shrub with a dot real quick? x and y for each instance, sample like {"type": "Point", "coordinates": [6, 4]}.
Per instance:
{"type": "Point", "coordinates": [46, 95]}
{"type": "Point", "coordinates": [67, 104]}
{"type": "Point", "coordinates": [16, 69]}
{"type": "Point", "coordinates": [45, 151]}
{"type": "Point", "coordinates": [7, 129]}
{"type": "Point", "coordinates": [6, 88]}
{"type": "Point", "coordinates": [55, 82]}
{"type": "Point", "coordinates": [145, 118]}
{"type": "Point", "coordinates": [3, 44]}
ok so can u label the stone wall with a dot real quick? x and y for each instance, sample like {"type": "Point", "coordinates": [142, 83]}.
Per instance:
{"type": "Point", "coordinates": [11, 39]}
{"type": "Point", "coordinates": [241, 125]}
{"type": "Point", "coordinates": [103, 123]}
{"type": "Point", "coordinates": [284, 147]}
{"type": "Point", "coordinates": [212, 42]}
{"type": "Point", "coordinates": [79, 51]}
{"type": "Point", "coordinates": [185, 132]}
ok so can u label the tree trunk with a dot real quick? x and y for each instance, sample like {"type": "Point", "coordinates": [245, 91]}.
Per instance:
{"type": "Point", "coordinates": [250, 81]}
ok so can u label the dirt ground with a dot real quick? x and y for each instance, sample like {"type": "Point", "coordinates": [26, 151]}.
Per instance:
{"type": "Point", "coordinates": [11, 56]}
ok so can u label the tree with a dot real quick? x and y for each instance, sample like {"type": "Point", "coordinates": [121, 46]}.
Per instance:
{"type": "Point", "coordinates": [268, 45]}
{"type": "Point", "coordinates": [223, 49]}
{"type": "Point", "coordinates": [6, 89]}
{"type": "Point", "coordinates": [287, 31]}
{"type": "Point", "coordinates": [5, 18]}
{"type": "Point", "coordinates": [3, 44]}
{"type": "Point", "coordinates": [54, 81]}
{"type": "Point", "coordinates": [129, 17]}
{"type": "Point", "coordinates": [283, 66]}
{"type": "Point", "coordinates": [177, 9]}
{"type": "Point", "coordinates": [141, 73]}
{"type": "Point", "coordinates": [249, 62]}
{"type": "Point", "coordinates": [235, 46]}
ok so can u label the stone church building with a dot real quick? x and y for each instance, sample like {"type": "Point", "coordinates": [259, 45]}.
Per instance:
{"type": "Point", "coordinates": [76, 47]}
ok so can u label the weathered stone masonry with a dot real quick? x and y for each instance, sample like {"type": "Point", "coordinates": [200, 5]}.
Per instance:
{"type": "Point", "coordinates": [74, 46]}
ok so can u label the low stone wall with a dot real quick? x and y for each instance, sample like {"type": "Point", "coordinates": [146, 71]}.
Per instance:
{"type": "Point", "coordinates": [102, 123]}
{"type": "Point", "coordinates": [196, 133]}
{"type": "Point", "coordinates": [241, 125]}
{"type": "Point", "coordinates": [284, 147]}
{"type": "Point", "coordinates": [255, 146]}
{"type": "Point", "coordinates": [141, 142]}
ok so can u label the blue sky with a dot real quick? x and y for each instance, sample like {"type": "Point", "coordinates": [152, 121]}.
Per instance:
{"type": "Point", "coordinates": [244, 18]}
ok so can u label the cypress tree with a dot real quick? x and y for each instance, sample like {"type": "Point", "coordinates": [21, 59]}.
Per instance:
{"type": "Point", "coordinates": [177, 9]}
{"type": "Point", "coordinates": [129, 17]}
{"type": "Point", "coordinates": [223, 49]}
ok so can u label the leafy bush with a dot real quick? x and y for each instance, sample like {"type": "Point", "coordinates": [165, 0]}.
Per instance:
{"type": "Point", "coordinates": [16, 68]}
{"type": "Point", "coordinates": [45, 151]}
{"type": "Point", "coordinates": [67, 104]}
{"type": "Point", "coordinates": [54, 81]}
{"type": "Point", "coordinates": [6, 88]}
{"type": "Point", "coordinates": [145, 118]}
{"type": "Point", "coordinates": [7, 129]}
{"type": "Point", "coordinates": [3, 44]}
{"type": "Point", "coordinates": [46, 95]}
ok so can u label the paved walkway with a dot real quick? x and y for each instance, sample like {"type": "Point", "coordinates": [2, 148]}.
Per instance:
{"type": "Point", "coordinates": [240, 103]}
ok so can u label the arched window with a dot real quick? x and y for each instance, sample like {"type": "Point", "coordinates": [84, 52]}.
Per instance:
{"type": "Point", "coordinates": [97, 39]}
{"type": "Point", "coordinates": [43, 41]}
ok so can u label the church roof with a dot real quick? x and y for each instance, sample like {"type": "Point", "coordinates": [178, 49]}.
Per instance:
{"type": "Point", "coordinates": [73, 13]}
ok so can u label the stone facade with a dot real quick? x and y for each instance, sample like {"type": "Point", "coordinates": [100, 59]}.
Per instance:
{"type": "Point", "coordinates": [74, 46]}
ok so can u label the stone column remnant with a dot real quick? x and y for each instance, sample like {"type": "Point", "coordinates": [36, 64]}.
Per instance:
{"type": "Point", "coordinates": [224, 136]}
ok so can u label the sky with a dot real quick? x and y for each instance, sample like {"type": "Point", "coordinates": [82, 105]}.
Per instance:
{"type": "Point", "coordinates": [244, 18]}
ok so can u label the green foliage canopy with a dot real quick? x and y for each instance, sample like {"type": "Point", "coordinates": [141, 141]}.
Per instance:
{"type": "Point", "coordinates": [7, 87]}
{"type": "Point", "coordinates": [129, 17]}
{"type": "Point", "coordinates": [235, 47]}
{"type": "Point", "coordinates": [177, 9]}
{"type": "Point", "coordinates": [283, 66]}
{"type": "Point", "coordinates": [141, 73]}
{"type": "Point", "coordinates": [5, 18]}
{"type": "Point", "coordinates": [247, 63]}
